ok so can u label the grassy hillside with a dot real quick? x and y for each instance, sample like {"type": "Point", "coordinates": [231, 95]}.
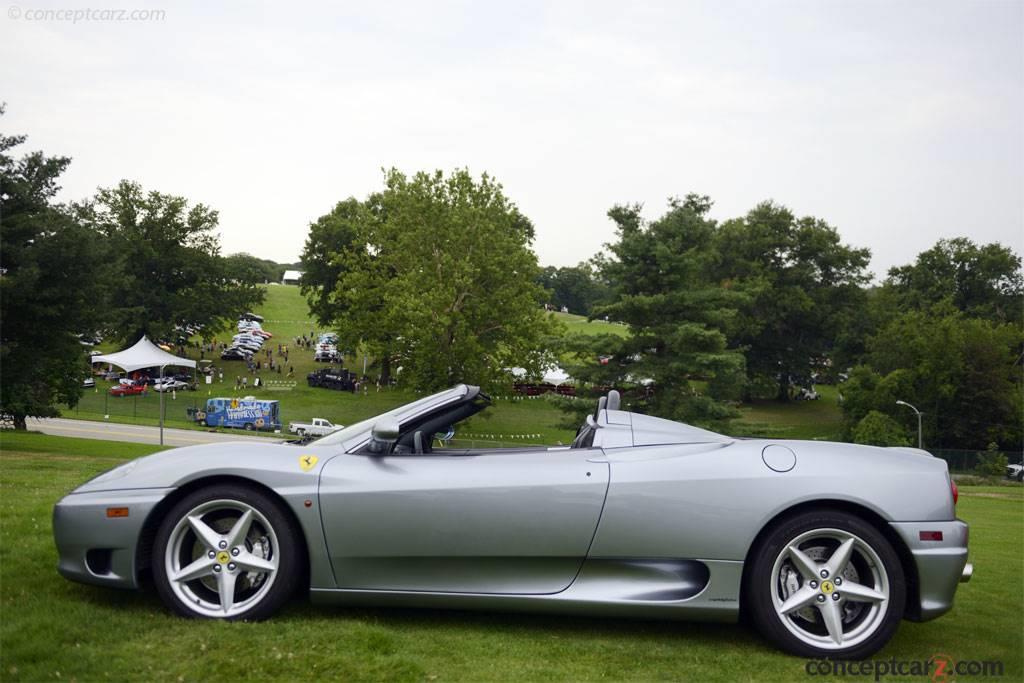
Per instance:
{"type": "Point", "coordinates": [578, 324]}
{"type": "Point", "coordinates": [514, 420]}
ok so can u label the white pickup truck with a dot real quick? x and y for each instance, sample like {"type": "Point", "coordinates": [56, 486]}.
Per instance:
{"type": "Point", "coordinates": [318, 427]}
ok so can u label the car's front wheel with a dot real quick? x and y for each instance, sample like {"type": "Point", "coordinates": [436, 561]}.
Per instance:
{"type": "Point", "coordinates": [227, 551]}
{"type": "Point", "coordinates": [826, 583]}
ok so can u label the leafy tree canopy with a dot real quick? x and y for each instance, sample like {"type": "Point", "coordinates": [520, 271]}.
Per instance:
{"type": "Point", "coordinates": [578, 288]}
{"type": "Point", "coordinates": [51, 287]}
{"type": "Point", "coordinates": [804, 287]}
{"type": "Point", "coordinates": [169, 269]}
{"type": "Point", "coordinates": [250, 269]}
{"type": "Point", "coordinates": [983, 281]}
{"type": "Point", "coordinates": [677, 318]}
{"type": "Point", "coordinates": [434, 272]}
{"type": "Point", "coordinates": [963, 373]}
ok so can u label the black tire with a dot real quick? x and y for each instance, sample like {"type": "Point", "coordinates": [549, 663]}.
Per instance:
{"type": "Point", "coordinates": [762, 587]}
{"type": "Point", "coordinates": [288, 551]}
{"type": "Point", "coordinates": [248, 426]}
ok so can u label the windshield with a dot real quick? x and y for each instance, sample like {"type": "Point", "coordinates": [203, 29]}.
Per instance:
{"type": "Point", "coordinates": [401, 413]}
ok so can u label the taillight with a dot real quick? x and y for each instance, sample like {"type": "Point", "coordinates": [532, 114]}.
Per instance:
{"type": "Point", "coordinates": [956, 493]}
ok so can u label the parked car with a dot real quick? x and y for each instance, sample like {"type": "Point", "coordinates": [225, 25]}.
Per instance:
{"type": "Point", "coordinates": [235, 353]}
{"type": "Point", "coordinates": [328, 355]}
{"type": "Point", "coordinates": [130, 388]}
{"type": "Point", "coordinates": [171, 384]}
{"type": "Point", "coordinates": [318, 427]}
{"type": "Point", "coordinates": [331, 378]}
{"type": "Point", "coordinates": [824, 546]}
{"type": "Point", "coordinates": [89, 383]}
{"type": "Point", "coordinates": [247, 344]}
{"type": "Point", "coordinates": [1015, 472]}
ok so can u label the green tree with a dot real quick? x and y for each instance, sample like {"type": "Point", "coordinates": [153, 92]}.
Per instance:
{"type": "Point", "coordinates": [435, 272]}
{"type": "Point", "coordinates": [169, 269]}
{"type": "Point", "coordinates": [983, 281]}
{"type": "Point", "coordinates": [963, 373]}
{"type": "Point", "coordinates": [252, 270]}
{"type": "Point", "coordinates": [677, 317]}
{"type": "Point", "coordinates": [878, 429]}
{"type": "Point", "coordinates": [51, 287]}
{"type": "Point", "coordinates": [331, 239]}
{"type": "Point", "coordinates": [578, 288]}
{"type": "Point", "coordinates": [805, 289]}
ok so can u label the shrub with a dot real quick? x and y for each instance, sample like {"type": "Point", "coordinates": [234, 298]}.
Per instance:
{"type": "Point", "coordinates": [878, 429]}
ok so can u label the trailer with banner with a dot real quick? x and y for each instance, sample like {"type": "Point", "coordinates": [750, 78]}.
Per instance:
{"type": "Point", "coordinates": [242, 413]}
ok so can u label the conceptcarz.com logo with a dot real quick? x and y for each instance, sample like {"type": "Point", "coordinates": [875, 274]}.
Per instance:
{"type": "Point", "coordinates": [939, 668]}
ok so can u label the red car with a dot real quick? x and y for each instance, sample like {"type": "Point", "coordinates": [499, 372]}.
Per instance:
{"type": "Point", "coordinates": [128, 389]}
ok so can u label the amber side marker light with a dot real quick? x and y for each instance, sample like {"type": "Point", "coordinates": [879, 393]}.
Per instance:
{"type": "Point", "coordinates": [117, 512]}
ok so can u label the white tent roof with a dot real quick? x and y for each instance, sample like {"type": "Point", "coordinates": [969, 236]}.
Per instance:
{"type": "Point", "coordinates": [145, 354]}
{"type": "Point", "coordinates": [556, 376]}
{"type": "Point", "coordinates": [553, 375]}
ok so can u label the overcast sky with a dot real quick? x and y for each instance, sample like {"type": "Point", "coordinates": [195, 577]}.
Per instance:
{"type": "Point", "coordinates": [897, 122]}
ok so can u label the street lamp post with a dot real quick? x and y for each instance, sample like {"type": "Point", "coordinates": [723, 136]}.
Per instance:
{"type": "Point", "coordinates": [920, 441]}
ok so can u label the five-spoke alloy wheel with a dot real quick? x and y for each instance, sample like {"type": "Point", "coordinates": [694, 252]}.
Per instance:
{"type": "Point", "coordinates": [228, 552]}
{"type": "Point", "coordinates": [826, 583]}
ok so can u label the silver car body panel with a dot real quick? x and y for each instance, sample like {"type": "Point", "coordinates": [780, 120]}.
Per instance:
{"type": "Point", "coordinates": [524, 520]}
{"type": "Point", "coordinates": [651, 518]}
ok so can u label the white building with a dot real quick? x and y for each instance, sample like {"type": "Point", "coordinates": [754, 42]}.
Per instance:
{"type": "Point", "coordinates": [291, 277]}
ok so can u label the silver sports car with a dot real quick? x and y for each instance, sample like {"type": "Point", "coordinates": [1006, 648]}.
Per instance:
{"type": "Point", "coordinates": [825, 547]}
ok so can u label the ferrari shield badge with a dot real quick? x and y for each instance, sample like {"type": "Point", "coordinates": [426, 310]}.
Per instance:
{"type": "Point", "coordinates": [306, 462]}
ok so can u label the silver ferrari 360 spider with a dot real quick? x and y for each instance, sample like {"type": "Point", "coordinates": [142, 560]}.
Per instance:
{"type": "Point", "coordinates": [825, 547]}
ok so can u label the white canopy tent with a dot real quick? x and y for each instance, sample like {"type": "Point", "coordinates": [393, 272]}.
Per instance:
{"type": "Point", "coordinates": [552, 375]}
{"type": "Point", "coordinates": [146, 354]}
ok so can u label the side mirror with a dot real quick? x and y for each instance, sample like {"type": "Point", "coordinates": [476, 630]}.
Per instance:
{"type": "Point", "coordinates": [385, 432]}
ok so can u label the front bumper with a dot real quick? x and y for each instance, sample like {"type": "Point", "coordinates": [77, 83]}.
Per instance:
{"type": "Point", "coordinates": [97, 549]}
{"type": "Point", "coordinates": [941, 565]}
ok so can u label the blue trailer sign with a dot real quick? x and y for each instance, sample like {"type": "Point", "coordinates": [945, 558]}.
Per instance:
{"type": "Point", "coordinates": [242, 413]}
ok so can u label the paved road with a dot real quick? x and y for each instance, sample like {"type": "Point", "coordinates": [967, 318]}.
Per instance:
{"type": "Point", "coordinates": [113, 431]}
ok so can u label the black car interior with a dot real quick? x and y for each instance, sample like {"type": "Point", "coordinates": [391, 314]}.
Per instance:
{"type": "Point", "coordinates": [417, 436]}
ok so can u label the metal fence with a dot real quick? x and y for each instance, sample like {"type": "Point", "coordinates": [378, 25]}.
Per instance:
{"type": "Point", "coordinates": [966, 461]}
{"type": "Point", "coordinates": [140, 408]}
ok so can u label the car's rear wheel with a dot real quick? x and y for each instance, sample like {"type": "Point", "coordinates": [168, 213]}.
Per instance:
{"type": "Point", "coordinates": [226, 552]}
{"type": "Point", "coordinates": [826, 583]}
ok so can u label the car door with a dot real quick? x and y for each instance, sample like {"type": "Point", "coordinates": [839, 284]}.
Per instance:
{"type": "Point", "coordinates": [503, 521]}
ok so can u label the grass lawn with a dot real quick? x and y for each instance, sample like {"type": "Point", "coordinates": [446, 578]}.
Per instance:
{"type": "Point", "coordinates": [821, 419]}
{"type": "Point", "coordinates": [578, 324]}
{"type": "Point", "coordinates": [52, 629]}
